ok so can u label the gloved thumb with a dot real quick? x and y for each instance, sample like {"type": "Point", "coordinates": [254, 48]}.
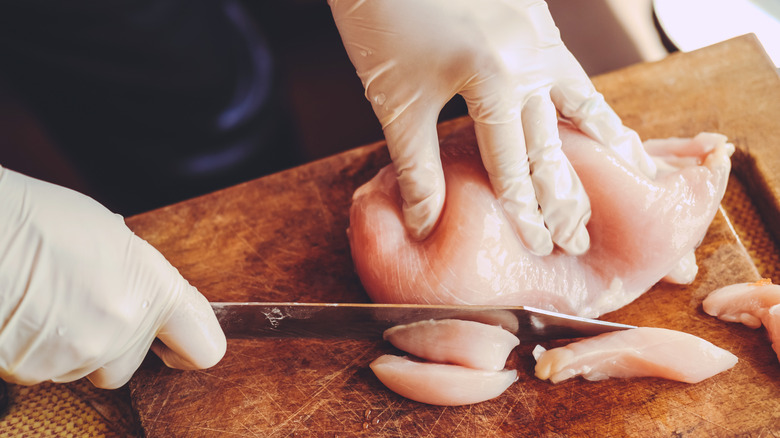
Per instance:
{"type": "Point", "coordinates": [177, 314]}
{"type": "Point", "coordinates": [194, 341]}
{"type": "Point", "coordinates": [192, 337]}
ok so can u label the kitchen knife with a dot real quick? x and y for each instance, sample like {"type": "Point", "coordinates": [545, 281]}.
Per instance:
{"type": "Point", "coordinates": [369, 321]}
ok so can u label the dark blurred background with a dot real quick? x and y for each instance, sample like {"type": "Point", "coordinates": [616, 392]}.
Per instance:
{"type": "Point", "coordinates": [144, 103]}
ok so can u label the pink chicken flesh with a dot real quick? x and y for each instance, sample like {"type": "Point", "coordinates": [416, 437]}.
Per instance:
{"type": "Point", "coordinates": [641, 230]}
{"type": "Point", "coordinates": [465, 362]}
{"type": "Point", "coordinates": [440, 384]}
{"type": "Point", "coordinates": [752, 304]}
{"type": "Point", "coordinates": [468, 343]}
{"type": "Point", "coordinates": [640, 352]}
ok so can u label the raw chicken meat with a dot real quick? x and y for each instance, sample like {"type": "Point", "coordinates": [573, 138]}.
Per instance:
{"type": "Point", "coordinates": [640, 352]}
{"type": "Point", "coordinates": [468, 343]}
{"type": "Point", "coordinates": [641, 231]}
{"type": "Point", "coordinates": [440, 384]}
{"type": "Point", "coordinates": [751, 304]}
{"type": "Point", "coordinates": [472, 357]}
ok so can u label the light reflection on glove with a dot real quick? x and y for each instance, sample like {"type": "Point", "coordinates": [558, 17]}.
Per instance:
{"type": "Point", "coordinates": [81, 295]}
{"type": "Point", "coordinates": [507, 60]}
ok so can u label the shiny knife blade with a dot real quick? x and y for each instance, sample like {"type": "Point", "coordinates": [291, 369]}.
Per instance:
{"type": "Point", "coordinates": [369, 321]}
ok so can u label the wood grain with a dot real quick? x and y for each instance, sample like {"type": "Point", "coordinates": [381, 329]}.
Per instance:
{"type": "Point", "coordinates": [283, 237]}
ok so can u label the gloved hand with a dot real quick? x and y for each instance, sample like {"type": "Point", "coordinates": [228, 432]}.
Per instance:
{"type": "Point", "coordinates": [81, 295]}
{"type": "Point", "coordinates": [507, 60]}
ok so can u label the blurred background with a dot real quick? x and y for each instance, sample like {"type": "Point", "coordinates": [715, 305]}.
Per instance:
{"type": "Point", "coordinates": [142, 104]}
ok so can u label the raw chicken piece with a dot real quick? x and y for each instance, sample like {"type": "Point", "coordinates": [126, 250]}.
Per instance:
{"type": "Point", "coordinates": [641, 230]}
{"type": "Point", "coordinates": [751, 304]}
{"type": "Point", "coordinates": [640, 352]}
{"type": "Point", "coordinates": [440, 384]}
{"type": "Point", "coordinates": [472, 353]}
{"type": "Point", "coordinates": [468, 343]}
{"type": "Point", "coordinates": [685, 271]}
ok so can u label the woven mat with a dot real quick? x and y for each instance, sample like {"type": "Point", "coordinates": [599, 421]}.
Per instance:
{"type": "Point", "coordinates": [751, 230]}
{"type": "Point", "coordinates": [75, 409]}
{"type": "Point", "coordinates": [79, 409]}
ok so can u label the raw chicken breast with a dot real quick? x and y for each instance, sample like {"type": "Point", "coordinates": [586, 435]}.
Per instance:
{"type": "Point", "coordinates": [468, 343]}
{"type": "Point", "coordinates": [640, 352]}
{"type": "Point", "coordinates": [751, 304]}
{"type": "Point", "coordinates": [440, 384]}
{"type": "Point", "coordinates": [473, 354]}
{"type": "Point", "coordinates": [641, 230]}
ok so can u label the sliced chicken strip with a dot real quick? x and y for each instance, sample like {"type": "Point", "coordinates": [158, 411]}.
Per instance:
{"type": "Point", "coordinates": [752, 304]}
{"type": "Point", "coordinates": [467, 343]}
{"type": "Point", "coordinates": [440, 384]}
{"type": "Point", "coordinates": [640, 352]}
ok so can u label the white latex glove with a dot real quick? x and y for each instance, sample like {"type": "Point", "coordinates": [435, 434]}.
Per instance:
{"type": "Point", "coordinates": [81, 295]}
{"type": "Point", "coordinates": [507, 60]}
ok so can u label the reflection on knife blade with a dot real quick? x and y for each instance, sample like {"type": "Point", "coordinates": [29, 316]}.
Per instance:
{"type": "Point", "coordinates": [369, 321]}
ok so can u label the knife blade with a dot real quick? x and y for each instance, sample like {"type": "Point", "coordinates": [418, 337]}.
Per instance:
{"type": "Point", "coordinates": [369, 321]}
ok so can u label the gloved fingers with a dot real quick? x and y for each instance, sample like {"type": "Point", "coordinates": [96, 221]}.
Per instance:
{"type": "Point", "coordinates": [578, 100]}
{"type": "Point", "coordinates": [413, 144]}
{"type": "Point", "coordinates": [192, 335]}
{"type": "Point", "coordinates": [503, 151]}
{"type": "Point", "coordinates": [170, 358]}
{"type": "Point", "coordinates": [561, 196]}
{"type": "Point", "coordinates": [116, 373]}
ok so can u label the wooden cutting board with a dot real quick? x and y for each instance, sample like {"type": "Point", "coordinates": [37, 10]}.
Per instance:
{"type": "Point", "coordinates": [282, 238]}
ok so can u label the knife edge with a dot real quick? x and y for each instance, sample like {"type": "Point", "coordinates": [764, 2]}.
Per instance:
{"type": "Point", "coordinates": [249, 320]}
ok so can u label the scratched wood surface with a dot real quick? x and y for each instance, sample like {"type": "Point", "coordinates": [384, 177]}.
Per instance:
{"type": "Point", "coordinates": [283, 237]}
